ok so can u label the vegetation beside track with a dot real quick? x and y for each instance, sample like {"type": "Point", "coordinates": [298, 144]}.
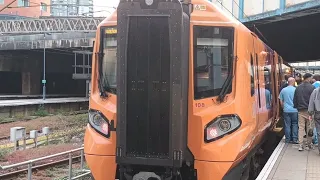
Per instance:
{"type": "Point", "coordinates": [67, 133]}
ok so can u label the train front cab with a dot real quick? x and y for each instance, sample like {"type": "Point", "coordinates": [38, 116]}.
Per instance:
{"type": "Point", "coordinates": [100, 138]}
{"type": "Point", "coordinates": [252, 99]}
{"type": "Point", "coordinates": [217, 153]}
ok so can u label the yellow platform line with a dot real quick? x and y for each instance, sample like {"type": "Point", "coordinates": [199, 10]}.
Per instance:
{"type": "Point", "coordinates": [39, 139]}
{"type": "Point", "coordinates": [28, 142]}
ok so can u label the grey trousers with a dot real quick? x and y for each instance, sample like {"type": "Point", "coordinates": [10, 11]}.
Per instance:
{"type": "Point", "coordinates": [317, 124]}
{"type": "Point", "coordinates": [305, 123]}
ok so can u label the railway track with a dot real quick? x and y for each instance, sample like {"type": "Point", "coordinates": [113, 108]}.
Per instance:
{"type": "Point", "coordinates": [28, 133]}
{"type": "Point", "coordinates": [40, 130]}
{"type": "Point", "coordinates": [40, 167]}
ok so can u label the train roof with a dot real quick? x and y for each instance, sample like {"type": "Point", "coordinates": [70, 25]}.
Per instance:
{"type": "Point", "coordinates": [210, 9]}
{"type": "Point", "coordinates": [202, 8]}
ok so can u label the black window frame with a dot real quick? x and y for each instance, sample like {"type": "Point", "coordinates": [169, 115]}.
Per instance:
{"type": "Point", "coordinates": [252, 76]}
{"type": "Point", "coordinates": [258, 79]}
{"type": "Point", "coordinates": [231, 47]}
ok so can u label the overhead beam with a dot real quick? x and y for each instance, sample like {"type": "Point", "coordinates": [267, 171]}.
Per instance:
{"type": "Point", "coordinates": [53, 25]}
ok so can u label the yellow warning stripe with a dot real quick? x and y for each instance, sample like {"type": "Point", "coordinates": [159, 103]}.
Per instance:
{"type": "Point", "coordinates": [39, 139]}
{"type": "Point", "coordinates": [28, 142]}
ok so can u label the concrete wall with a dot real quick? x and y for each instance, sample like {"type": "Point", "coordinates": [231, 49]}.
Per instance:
{"type": "Point", "coordinates": [294, 2]}
{"type": "Point", "coordinates": [34, 11]}
{"type": "Point", "coordinates": [254, 7]}
{"type": "Point", "coordinates": [13, 63]}
{"type": "Point", "coordinates": [29, 65]}
{"type": "Point", "coordinates": [55, 62]}
{"type": "Point", "coordinates": [29, 70]}
{"type": "Point", "coordinates": [230, 6]}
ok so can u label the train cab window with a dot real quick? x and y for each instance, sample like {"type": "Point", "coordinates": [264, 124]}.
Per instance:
{"type": "Point", "coordinates": [252, 75]}
{"type": "Point", "coordinates": [213, 53]}
{"type": "Point", "coordinates": [108, 62]}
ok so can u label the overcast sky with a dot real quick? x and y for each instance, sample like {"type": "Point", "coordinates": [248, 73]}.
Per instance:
{"type": "Point", "coordinates": [101, 7]}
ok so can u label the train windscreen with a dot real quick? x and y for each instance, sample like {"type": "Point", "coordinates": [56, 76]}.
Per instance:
{"type": "Point", "coordinates": [213, 53]}
{"type": "Point", "coordinates": [108, 60]}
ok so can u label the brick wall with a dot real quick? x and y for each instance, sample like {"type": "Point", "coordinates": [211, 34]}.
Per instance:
{"type": "Point", "coordinates": [33, 11]}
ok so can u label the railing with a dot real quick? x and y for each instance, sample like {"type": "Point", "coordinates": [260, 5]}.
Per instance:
{"type": "Point", "coordinates": [30, 162]}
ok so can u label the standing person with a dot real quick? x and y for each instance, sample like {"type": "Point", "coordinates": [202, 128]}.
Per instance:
{"type": "Point", "coordinates": [316, 84]}
{"type": "Point", "coordinates": [301, 102]}
{"type": "Point", "coordinates": [285, 82]}
{"type": "Point", "coordinates": [290, 114]}
{"type": "Point", "coordinates": [314, 109]}
{"type": "Point", "coordinates": [298, 79]}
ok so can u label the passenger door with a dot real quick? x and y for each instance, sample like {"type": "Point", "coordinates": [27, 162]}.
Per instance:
{"type": "Point", "coordinates": [255, 82]}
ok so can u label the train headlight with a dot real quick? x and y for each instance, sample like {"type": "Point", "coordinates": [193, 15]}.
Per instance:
{"type": "Point", "coordinates": [99, 123]}
{"type": "Point", "coordinates": [221, 126]}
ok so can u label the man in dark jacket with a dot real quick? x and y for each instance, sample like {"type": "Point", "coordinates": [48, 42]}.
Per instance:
{"type": "Point", "coordinates": [298, 78]}
{"type": "Point", "coordinates": [301, 102]}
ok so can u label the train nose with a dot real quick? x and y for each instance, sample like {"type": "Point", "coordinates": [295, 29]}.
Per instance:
{"type": "Point", "coordinates": [146, 176]}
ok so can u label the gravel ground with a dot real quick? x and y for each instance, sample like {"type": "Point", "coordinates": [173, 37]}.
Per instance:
{"type": "Point", "coordinates": [73, 126]}
{"type": "Point", "coordinates": [56, 122]}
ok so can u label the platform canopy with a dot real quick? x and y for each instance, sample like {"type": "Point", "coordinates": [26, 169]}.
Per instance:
{"type": "Point", "coordinates": [296, 38]}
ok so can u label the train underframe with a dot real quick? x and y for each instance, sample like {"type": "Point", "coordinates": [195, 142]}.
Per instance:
{"type": "Point", "coordinates": [248, 169]}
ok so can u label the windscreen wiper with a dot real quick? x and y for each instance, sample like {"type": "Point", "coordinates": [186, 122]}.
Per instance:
{"type": "Point", "coordinates": [106, 85]}
{"type": "Point", "coordinates": [227, 84]}
{"type": "Point", "coordinates": [103, 83]}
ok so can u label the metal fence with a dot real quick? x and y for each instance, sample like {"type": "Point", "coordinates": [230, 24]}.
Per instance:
{"type": "Point", "coordinates": [30, 162]}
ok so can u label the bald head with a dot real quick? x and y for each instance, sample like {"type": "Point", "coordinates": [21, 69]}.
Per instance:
{"type": "Point", "coordinates": [291, 81]}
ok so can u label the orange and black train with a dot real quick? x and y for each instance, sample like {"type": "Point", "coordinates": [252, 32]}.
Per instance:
{"type": "Point", "coordinates": [180, 90]}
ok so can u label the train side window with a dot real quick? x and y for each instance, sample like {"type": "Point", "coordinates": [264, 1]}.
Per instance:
{"type": "Point", "coordinates": [108, 60]}
{"type": "Point", "coordinates": [213, 55]}
{"type": "Point", "coordinates": [257, 63]}
{"type": "Point", "coordinates": [252, 75]}
{"type": "Point", "coordinates": [268, 86]}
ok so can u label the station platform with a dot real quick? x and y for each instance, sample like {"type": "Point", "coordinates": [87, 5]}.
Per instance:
{"type": "Point", "coordinates": [34, 96]}
{"type": "Point", "coordinates": [27, 107]}
{"type": "Point", "coordinates": [23, 102]}
{"type": "Point", "coordinates": [287, 163]}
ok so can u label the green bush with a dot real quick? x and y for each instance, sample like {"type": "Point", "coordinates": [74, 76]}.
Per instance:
{"type": "Point", "coordinates": [41, 111]}
{"type": "Point", "coordinates": [3, 153]}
